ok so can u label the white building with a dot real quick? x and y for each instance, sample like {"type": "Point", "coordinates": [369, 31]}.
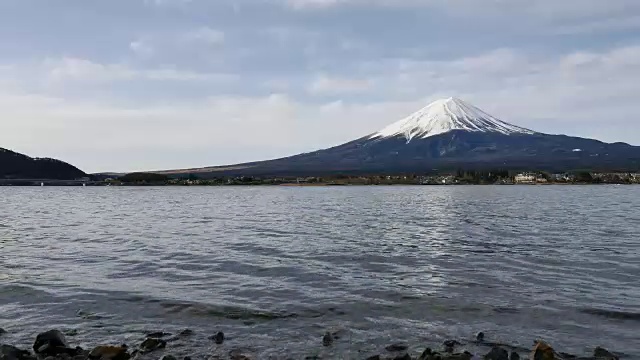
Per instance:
{"type": "Point", "coordinates": [525, 178]}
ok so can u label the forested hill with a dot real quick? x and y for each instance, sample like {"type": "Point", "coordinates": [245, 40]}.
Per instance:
{"type": "Point", "coordinates": [14, 165]}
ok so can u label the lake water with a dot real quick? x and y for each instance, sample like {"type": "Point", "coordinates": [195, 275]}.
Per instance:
{"type": "Point", "coordinates": [277, 267]}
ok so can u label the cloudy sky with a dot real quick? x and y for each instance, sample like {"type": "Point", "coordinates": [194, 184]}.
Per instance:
{"type": "Point", "coordinates": [123, 85]}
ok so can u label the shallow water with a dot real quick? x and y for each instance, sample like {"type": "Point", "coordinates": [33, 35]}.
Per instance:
{"type": "Point", "coordinates": [275, 268]}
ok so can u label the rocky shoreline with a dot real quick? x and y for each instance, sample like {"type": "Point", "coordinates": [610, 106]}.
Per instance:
{"type": "Point", "coordinates": [53, 345]}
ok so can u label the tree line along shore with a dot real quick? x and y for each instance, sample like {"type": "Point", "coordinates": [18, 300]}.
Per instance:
{"type": "Point", "coordinates": [499, 177]}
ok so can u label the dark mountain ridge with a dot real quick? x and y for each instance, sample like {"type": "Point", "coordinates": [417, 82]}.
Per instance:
{"type": "Point", "coordinates": [14, 165]}
{"type": "Point", "coordinates": [453, 150]}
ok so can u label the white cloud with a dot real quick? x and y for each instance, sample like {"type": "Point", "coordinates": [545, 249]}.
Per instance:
{"type": "Point", "coordinates": [305, 4]}
{"type": "Point", "coordinates": [68, 68]}
{"type": "Point", "coordinates": [328, 85]}
{"type": "Point", "coordinates": [618, 23]}
{"type": "Point", "coordinates": [141, 47]}
{"type": "Point", "coordinates": [81, 130]}
{"type": "Point", "coordinates": [206, 35]}
{"type": "Point", "coordinates": [552, 15]}
{"type": "Point", "coordinates": [167, 2]}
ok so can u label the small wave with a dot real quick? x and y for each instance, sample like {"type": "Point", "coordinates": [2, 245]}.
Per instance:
{"type": "Point", "coordinates": [15, 291]}
{"type": "Point", "coordinates": [482, 251]}
{"type": "Point", "coordinates": [613, 314]}
{"type": "Point", "coordinates": [87, 315]}
{"type": "Point", "coordinates": [235, 313]}
{"type": "Point", "coordinates": [505, 310]}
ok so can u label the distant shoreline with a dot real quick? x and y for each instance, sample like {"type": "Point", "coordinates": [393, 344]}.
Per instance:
{"type": "Point", "coordinates": [298, 185]}
{"type": "Point", "coordinates": [471, 177]}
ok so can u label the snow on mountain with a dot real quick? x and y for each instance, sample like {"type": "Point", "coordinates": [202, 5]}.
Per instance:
{"type": "Point", "coordinates": [445, 115]}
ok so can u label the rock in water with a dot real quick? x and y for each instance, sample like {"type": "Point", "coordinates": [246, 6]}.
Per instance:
{"type": "Point", "coordinates": [151, 344]}
{"type": "Point", "coordinates": [327, 339]}
{"type": "Point", "coordinates": [480, 337]}
{"type": "Point", "coordinates": [426, 354]}
{"type": "Point", "coordinates": [2, 331]}
{"type": "Point", "coordinates": [514, 356]}
{"type": "Point", "coordinates": [396, 347]}
{"type": "Point", "coordinates": [603, 354]}
{"type": "Point", "coordinates": [71, 332]}
{"type": "Point", "coordinates": [219, 338]}
{"type": "Point", "coordinates": [109, 353]}
{"type": "Point", "coordinates": [497, 353]}
{"type": "Point", "coordinates": [403, 357]}
{"type": "Point", "coordinates": [451, 343]}
{"type": "Point", "coordinates": [542, 351]}
{"type": "Point", "coordinates": [463, 356]}
{"type": "Point", "coordinates": [51, 342]}
{"type": "Point", "coordinates": [238, 355]}
{"type": "Point", "coordinates": [158, 334]}
{"type": "Point", "coordinates": [168, 357]}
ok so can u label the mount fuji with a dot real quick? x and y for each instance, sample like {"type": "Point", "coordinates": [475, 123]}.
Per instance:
{"type": "Point", "coordinates": [445, 115]}
{"type": "Point", "coordinates": [446, 135]}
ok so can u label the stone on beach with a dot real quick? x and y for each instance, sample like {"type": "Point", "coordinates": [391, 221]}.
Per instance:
{"type": "Point", "coordinates": [542, 351]}
{"type": "Point", "coordinates": [52, 343]}
{"type": "Point", "coordinates": [151, 344]}
{"type": "Point", "coordinates": [106, 352]}
{"type": "Point", "coordinates": [603, 354]}
{"type": "Point", "coordinates": [497, 353]}
{"type": "Point", "coordinates": [429, 354]}
{"type": "Point", "coordinates": [8, 352]}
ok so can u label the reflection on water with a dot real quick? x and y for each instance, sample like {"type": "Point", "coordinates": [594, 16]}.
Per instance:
{"type": "Point", "coordinates": [276, 267]}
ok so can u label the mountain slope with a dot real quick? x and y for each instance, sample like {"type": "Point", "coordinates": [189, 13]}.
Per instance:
{"type": "Point", "coordinates": [18, 166]}
{"type": "Point", "coordinates": [446, 135]}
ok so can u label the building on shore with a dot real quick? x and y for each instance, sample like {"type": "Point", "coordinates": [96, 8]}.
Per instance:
{"type": "Point", "coordinates": [525, 178]}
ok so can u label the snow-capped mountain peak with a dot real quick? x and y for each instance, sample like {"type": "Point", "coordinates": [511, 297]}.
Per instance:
{"type": "Point", "coordinates": [445, 115]}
